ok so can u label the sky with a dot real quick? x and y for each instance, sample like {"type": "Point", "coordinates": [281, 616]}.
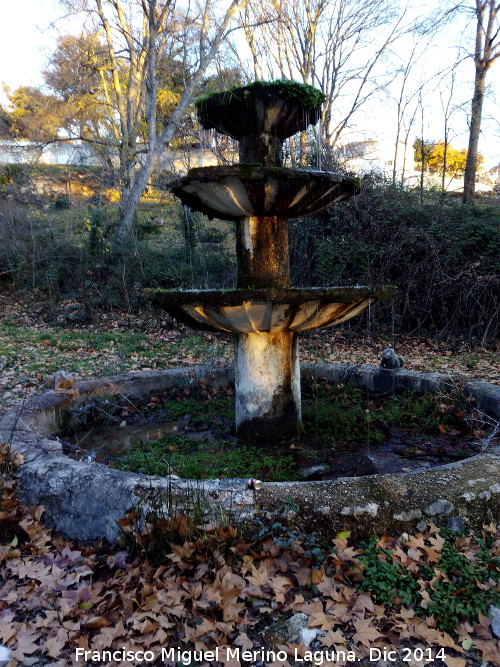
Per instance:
{"type": "Point", "coordinates": [26, 38]}
{"type": "Point", "coordinates": [29, 31]}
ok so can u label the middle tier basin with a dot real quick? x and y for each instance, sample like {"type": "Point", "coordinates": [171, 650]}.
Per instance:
{"type": "Point", "coordinates": [268, 310]}
{"type": "Point", "coordinates": [232, 192]}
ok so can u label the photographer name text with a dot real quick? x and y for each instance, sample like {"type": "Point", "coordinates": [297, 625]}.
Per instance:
{"type": "Point", "coordinates": [218, 654]}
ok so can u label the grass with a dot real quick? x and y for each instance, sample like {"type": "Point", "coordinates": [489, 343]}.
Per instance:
{"type": "Point", "coordinates": [345, 414]}
{"type": "Point", "coordinates": [206, 459]}
{"type": "Point", "coordinates": [28, 355]}
{"type": "Point", "coordinates": [49, 350]}
{"type": "Point", "coordinates": [200, 413]}
{"type": "Point", "coordinates": [339, 414]}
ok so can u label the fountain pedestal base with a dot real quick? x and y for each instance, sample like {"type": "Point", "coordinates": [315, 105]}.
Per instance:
{"type": "Point", "coordinates": [267, 383]}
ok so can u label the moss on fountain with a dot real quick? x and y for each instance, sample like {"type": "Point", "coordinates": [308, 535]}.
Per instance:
{"type": "Point", "coordinates": [261, 115]}
{"type": "Point", "coordinates": [301, 93]}
{"type": "Point", "coordinates": [252, 170]}
{"type": "Point", "coordinates": [292, 295]}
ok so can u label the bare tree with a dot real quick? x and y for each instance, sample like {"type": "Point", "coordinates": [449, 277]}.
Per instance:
{"type": "Point", "coordinates": [423, 147]}
{"type": "Point", "coordinates": [358, 37]}
{"type": "Point", "coordinates": [406, 99]}
{"type": "Point", "coordinates": [486, 51]}
{"type": "Point", "coordinates": [336, 45]}
{"type": "Point", "coordinates": [448, 109]}
{"type": "Point", "coordinates": [138, 34]}
{"type": "Point", "coordinates": [409, 99]}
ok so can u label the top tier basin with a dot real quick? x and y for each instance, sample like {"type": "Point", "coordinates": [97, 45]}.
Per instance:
{"type": "Point", "coordinates": [278, 108]}
{"type": "Point", "coordinates": [232, 192]}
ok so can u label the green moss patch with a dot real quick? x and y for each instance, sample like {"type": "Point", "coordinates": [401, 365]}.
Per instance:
{"type": "Point", "coordinates": [206, 459]}
{"type": "Point", "coordinates": [300, 93]}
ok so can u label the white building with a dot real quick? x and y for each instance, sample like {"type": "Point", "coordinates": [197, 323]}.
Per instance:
{"type": "Point", "coordinates": [494, 172]}
{"type": "Point", "coordinates": [61, 153]}
{"type": "Point", "coordinates": [81, 154]}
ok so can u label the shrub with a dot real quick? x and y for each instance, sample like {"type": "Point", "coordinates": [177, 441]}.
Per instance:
{"type": "Point", "coordinates": [441, 255]}
{"type": "Point", "coordinates": [62, 204]}
{"type": "Point", "coordinates": [72, 253]}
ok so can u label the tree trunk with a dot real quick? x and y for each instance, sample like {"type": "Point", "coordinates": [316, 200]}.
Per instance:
{"type": "Point", "coordinates": [475, 128]}
{"type": "Point", "coordinates": [485, 53]}
{"type": "Point", "coordinates": [396, 150]}
{"type": "Point", "coordinates": [131, 197]}
{"type": "Point", "coordinates": [445, 160]}
{"type": "Point", "coordinates": [129, 200]}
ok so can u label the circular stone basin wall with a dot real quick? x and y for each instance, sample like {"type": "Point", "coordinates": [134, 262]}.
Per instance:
{"type": "Point", "coordinates": [85, 500]}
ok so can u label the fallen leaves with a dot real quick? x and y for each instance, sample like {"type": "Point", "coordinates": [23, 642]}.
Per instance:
{"type": "Point", "coordinates": [454, 662]}
{"type": "Point", "coordinates": [56, 597]}
{"type": "Point", "coordinates": [212, 612]}
{"type": "Point", "coordinates": [366, 632]}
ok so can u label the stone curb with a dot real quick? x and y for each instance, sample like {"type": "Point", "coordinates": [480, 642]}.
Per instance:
{"type": "Point", "coordinates": [85, 500]}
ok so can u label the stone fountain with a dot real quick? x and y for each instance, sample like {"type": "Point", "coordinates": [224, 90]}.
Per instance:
{"type": "Point", "coordinates": [85, 500]}
{"type": "Point", "coordinates": [260, 196]}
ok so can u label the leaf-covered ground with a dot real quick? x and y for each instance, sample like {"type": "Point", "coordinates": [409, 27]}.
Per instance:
{"type": "Point", "coordinates": [223, 592]}
{"type": "Point", "coordinates": [37, 339]}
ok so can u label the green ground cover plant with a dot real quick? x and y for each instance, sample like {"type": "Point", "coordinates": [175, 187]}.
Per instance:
{"type": "Point", "coordinates": [308, 96]}
{"type": "Point", "coordinates": [451, 577]}
{"type": "Point", "coordinates": [29, 354]}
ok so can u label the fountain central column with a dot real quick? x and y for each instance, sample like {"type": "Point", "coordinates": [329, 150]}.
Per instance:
{"type": "Point", "coordinates": [267, 373]}
{"type": "Point", "coordinates": [267, 376]}
{"type": "Point", "coordinates": [267, 384]}
{"type": "Point", "coordinates": [262, 252]}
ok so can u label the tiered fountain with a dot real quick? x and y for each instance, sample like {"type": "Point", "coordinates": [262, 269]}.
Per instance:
{"type": "Point", "coordinates": [260, 195]}
{"type": "Point", "coordinates": [84, 500]}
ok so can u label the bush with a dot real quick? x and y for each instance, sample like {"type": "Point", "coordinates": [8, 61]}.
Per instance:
{"type": "Point", "coordinates": [441, 255]}
{"type": "Point", "coordinates": [10, 173]}
{"type": "Point", "coordinates": [71, 253]}
{"type": "Point", "coordinates": [62, 204]}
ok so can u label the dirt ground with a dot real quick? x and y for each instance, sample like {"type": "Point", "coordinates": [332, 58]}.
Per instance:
{"type": "Point", "coordinates": [38, 338]}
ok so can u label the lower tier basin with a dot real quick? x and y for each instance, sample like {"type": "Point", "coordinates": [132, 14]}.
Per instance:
{"type": "Point", "coordinates": [268, 310]}
{"type": "Point", "coordinates": [85, 500]}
